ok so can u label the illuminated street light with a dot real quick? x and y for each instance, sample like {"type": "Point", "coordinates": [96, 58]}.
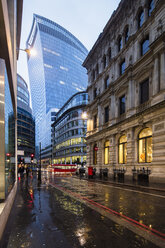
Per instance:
{"type": "Point", "coordinates": [31, 52]}
{"type": "Point", "coordinates": [84, 115]}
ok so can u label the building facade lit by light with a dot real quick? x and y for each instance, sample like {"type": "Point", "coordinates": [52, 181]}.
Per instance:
{"type": "Point", "coordinates": [69, 132]}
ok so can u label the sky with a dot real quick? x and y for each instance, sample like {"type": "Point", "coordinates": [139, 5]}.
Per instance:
{"type": "Point", "coordinates": [85, 19]}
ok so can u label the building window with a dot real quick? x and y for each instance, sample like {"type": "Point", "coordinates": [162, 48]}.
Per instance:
{"type": "Point", "coordinates": [109, 54]}
{"type": "Point", "coordinates": [95, 121]}
{"type": "Point", "coordinates": [106, 152]}
{"type": "Point", "coordinates": [122, 67]}
{"type": "Point", "coordinates": [122, 104]}
{"type": "Point", "coordinates": [150, 7]}
{"type": "Point", "coordinates": [123, 150]}
{"type": "Point", "coordinates": [106, 82]}
{"type": "Point", "coordinates": [140, 19]}
{"type": "Point", "coordinates": [95, 148]}
{"type": "Point", "coordinates": [144, 91]}
{"type": "Point", "coordinates": [145, 46]}
{"type": "Point", "coordinates": [126, 35]}
{"type": "Point", "coordinates": [104, 61]}
{"type": "Point", "coordinates": [145, 146]}
{"type": "Point", "coordinates": [93, 75]}
{"type": "Point", "coordinates": [94, 93]}
{"type": "Point", "coordinates": [120, 45]}
{"type": "Point", "coordinates": [97, 69]}
{"type": "Point", "coordinates": [106, 114]}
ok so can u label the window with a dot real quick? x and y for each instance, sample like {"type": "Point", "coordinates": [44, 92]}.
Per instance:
{"type": "Point", "coordinates": [126, 35]}
{"type": "Point", "coordinates": [109, 54]}
{"type": "Point", "coordinates": [106, 114]}
{"type": "Point", "coordinates": [94, 93]}
{"type": "Point", "coordinates": [97, 69]}
{"type": "Point", "coordinates": [106, 152]}
{"type": "Point", "coordinates": [95, 148]}
{"type": "Point", "coordinates": [150, 7]}
{"type": "Point", "coordinates": [93, 75]}
{"type": "Point", "coordinates": [104, 61]}
{"type": "Point", "coordinates": [145, 146]}
{"type": "Point", "coordinates": [122, 67]}
{"type": "Point", "coordinates": [140, 19]}
{"type": "Point", "coordinates": [145, 46]}
{"type": "Point", "coordinates": [122, 105]}
{"type": "Point", "coordinates": [144, 91]}
{"type": "Point", "coordinates": [106, 82]}
{"type": "Point", "coordinates": [120, 45]}
{"type": "Point", "coordinates": [123, 150]}
{"type": "Point", "coordinates": [95, 121]}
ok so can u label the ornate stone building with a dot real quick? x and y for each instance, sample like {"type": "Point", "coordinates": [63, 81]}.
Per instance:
{"type": "Point", "coordinates": [126, 88]}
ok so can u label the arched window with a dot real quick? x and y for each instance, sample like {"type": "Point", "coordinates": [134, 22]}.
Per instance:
{"type": "Point", "coordinates": [145, 146]}
{"type": "Point", "coordinates": [145, 45]}
{"type": "Point", "coordinates": [123, 149]}
{"type": "Point", "coordinates": [106, 152]}
{"type": "Point", "coordinates": [126, 35]}
{"type": "Point", "coordinates": [150, 7]}
{"type": "Point", "coordinates": [120, 44]}
{"type": "Point", "coordinates": [95, 149]}
{"type": "Point", "coordinates": [140, 19]}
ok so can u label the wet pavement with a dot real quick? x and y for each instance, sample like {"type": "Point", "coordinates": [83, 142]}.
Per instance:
{"type": "Point", "coordinates": [44, 215]}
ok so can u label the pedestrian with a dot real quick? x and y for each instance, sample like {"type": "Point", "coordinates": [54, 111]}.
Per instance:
{"type": "Point", "coordinates": [27, 171]}
{"type": "Point", "coordinates": [22, 171]}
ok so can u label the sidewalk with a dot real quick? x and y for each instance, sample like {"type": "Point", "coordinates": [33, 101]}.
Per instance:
{"type": "Point", "coordinates": [127, 183]}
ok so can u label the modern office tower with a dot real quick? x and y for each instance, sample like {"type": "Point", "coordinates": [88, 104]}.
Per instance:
{"type": "Point", "coordinates": [10, 28]}
{"type": "Point", "coordinates": [25, 123]}
{"type": "Point", "coordinates": [69, 131]}
{"type": "Point", "coordinates": [126, 88]}
{"type": "Point", "coordinates": [55, 72]}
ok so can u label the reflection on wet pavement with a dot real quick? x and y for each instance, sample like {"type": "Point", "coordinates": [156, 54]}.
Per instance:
{"type": "Point", "coordinates": [43, 216]}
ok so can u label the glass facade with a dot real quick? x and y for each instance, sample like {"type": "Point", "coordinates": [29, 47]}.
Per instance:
{"type": "Point", "coordinates": [9, 140]}
{"type": "Point", "coordinates": [69, 130]}
{"type": "Point", "coordinates": [56, 72]}
{"type": "Point", "coordinates": [25, 122]}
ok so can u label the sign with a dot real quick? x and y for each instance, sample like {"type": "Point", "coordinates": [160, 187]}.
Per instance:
{"type": "Point", "coordinates": [20, 152]}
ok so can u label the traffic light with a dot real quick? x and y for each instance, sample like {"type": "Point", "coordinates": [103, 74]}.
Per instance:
{"type": "Point", "coordinates": [8, 157]}
{"type": "Point", "coordinates": [32, 156]}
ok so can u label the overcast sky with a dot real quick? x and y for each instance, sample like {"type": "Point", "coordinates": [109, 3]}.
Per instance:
{"type": "Point", "coordinates": [85, 19]}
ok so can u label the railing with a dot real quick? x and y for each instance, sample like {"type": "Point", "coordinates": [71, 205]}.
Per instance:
{"type": "Point", "coordinates": [143, 107]}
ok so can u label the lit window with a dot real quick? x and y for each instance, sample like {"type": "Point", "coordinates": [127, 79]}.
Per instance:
{"type": "Point", "coordinates": [122, 105]}
{"type": "Point", "coordinates": [106, 152]}
{"type": "Point", "coordinates": [120, 45]}
{"type": "Point", "coordinates": [48, 66]}
{"type": "Point", "coordinates": [106, 114]}
{"type": "Point", "coordinates": [140, 19]}
{"type": "Point", "coordinates": [63, 68]}
{"type": "Point", "coordinates": [150, 7]}
{"type": "Point", "coordinates": [122, 67]}
{"type": "Point", "coordinates": [144, 91]}
{"type": "Point", "coordinates": [61, 82]}
{"type": "Point", "coordinates": [123, 150]}
{"type": "Point", "coordinates": [145, 146]}
{"type": "Point", "coordinates": [145, 46]}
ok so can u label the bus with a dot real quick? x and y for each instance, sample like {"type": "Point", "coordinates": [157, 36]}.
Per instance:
{"type": "Point", "coordinates": [64, 168]}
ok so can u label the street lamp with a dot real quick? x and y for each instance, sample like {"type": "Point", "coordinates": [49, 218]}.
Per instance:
{"type": "Point", "coordinates": [84, 116]}
{"type": "Point", "coordinates": [31, 51]}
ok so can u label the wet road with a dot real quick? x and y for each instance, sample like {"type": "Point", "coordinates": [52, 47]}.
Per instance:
{"type": "Point", "coordinates": [53, 214]}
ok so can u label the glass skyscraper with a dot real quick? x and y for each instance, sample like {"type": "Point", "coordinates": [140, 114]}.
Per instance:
{"type": "Point", "coordinates": [55, 72]}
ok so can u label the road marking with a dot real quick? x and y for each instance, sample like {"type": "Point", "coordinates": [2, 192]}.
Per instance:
{"type": "Point", "coordinates": [147, 233]}
{"type": "Point", "coordinates": [145, 193]}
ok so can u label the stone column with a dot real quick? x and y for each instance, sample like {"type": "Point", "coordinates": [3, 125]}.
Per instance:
{"type": "Point", "coordinates": [155, 82]}
{"type": "Point", "coordinates": [99, 117]}
{"type": "Point", "coordinates": [130, 97]}
{"type": "Point", "coordinates": [112, 151]}
{"type": "Point", "coordinates": [162, 71]}
{"type": "Point", "coordinates": [130, 148]}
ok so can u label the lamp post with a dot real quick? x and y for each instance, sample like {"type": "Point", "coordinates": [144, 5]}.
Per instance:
{"type": "Point", "coordinates": [39, 172]}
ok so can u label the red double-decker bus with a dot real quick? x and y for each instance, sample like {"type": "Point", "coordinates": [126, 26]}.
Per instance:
{"type": "Point", "coordinates": [64, 168]}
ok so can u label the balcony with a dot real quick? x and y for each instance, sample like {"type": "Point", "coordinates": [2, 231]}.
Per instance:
{"type": "Point", "coordinates": [143, 107]}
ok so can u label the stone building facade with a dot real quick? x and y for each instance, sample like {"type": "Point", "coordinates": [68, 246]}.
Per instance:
{"type": "Point", "coordinates": [126, 89]}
